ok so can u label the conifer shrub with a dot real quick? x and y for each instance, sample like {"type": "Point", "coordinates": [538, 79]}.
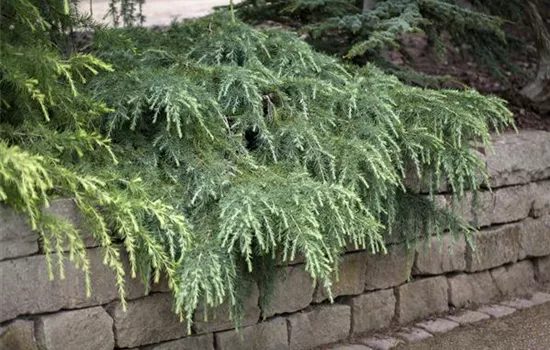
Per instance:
{"type": "Point", "coordinates": [211, 150]}
{"type": "Point", "coordinates": [346, 28]}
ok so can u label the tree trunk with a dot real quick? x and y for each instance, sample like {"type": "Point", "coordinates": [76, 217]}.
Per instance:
{"type": "Point", "coordinates": [539, 89]}
{"type": "Point", "coordinates": [368, 5]}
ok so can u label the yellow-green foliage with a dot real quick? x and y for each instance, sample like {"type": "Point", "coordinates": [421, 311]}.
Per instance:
{"type": "Point", "coordinates": [209, 150]}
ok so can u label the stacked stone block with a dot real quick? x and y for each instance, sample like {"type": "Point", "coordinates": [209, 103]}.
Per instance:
{"type": "Point", "coordinates": [408, 284]}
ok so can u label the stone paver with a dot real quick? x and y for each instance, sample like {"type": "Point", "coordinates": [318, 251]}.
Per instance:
{"type": "Point", "coordinates": [497, 311]}
{"type": "Point", "coordinates": [519, 304]}
{"type": "Point", "coordinates": [524, 330]}
{"type": "Point", "coordinates": [202, 342]}
{"type": "Point", "coordinates": [465, 317]}
{"type": "Point", "coordinates": [413, 334]}
{"type": "Point", "coordinates": [350, 347]}
{"type": "Point", "coordinates": [439, 325]}
{"type": "Point", "coordinates": [380, 343]}
{"type": "Point", "coordinates": [540, 298]}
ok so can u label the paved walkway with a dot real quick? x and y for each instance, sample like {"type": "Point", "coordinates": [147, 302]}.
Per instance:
{"type": "Point", "coordinates": [159, 12]}
{"type": "Point", "coordinates": [524, 330]}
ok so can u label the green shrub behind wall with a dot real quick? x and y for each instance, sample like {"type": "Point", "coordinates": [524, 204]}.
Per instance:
{"type": "Point", "coordinates": [212, 149]}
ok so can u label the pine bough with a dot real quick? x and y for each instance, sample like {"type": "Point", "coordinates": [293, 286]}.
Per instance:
{"type": "Point", "coordinates": [211, 150]}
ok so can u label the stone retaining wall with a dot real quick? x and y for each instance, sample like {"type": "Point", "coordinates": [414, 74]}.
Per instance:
{"type": "Point", "coordinates": [511, 256]}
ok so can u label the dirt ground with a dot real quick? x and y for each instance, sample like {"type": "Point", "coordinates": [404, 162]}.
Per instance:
{"type": "Point", "coordinates": [464, 70]}
{"type": "Point", "coordinates": [524, 330]}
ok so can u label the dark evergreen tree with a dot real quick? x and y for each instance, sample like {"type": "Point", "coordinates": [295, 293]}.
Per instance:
{"type": "Point", "coordinates": [361, 29]}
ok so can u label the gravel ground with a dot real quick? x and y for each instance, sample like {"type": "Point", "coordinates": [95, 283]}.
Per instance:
{"type": "Point", "coordinates": [525, 330]}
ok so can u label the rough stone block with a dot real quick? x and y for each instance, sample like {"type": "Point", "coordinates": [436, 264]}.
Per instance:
{"type": "Point", "coordinates": [389, 270]}
{"type": "Point", "coordinates": [67, 209]}
{"type": "Point", "coordinates": [465, 317]}
{"type": "Point", "coordinates": [436, 256]}
{"type": "Point", "coordinates": [494, 247]}
{"type": "Point", "coordinates": [298, 259]}
{"type": "Point", "coordinates": [519, 158]}
{"type": "Point", "coordinates": [514, 279]}
{"type": "Point", "coordinates": [380, 343]}
{"type": "Point", "coordinates": [467, 289]}
{"type": "Point", "coordinates": [147, 320]}
{"type": "Point", "coordinates": [478, 213]}
{"type": "Point", "coordinates": [293, 291]}
{"type": "Point", "coordinates": [270, 335]}
{"type": "Point", "coordinates": [351, 278]}
{"type": "Point", "coordinates": [84, 329]}
{"type": "Point", "coordinates": [28, 290]}
{"type": "Point", "coordinates": [541, 203]}
{"type": "Point", "coordinates": [135, 288]}
{"type": "Point", "coordinates": [218, 319]}
{"type": "Point", "coordinates": [323, 325]}
{"type": "Point", "coordinates": [161, 286]}
{"type": "Point", "coordinates": [413, 335]}
{"type": "Point", "coordinates": [372, 311]}
{"type": "Point", "coordinates": [18, 335]}
{"type": "Point", "coordinates": [542, 269]}
{"type": "Point", "coordinates": [512, 203]}
{"type": "Point", "coordinates": [199, 342]}
{"type": "Point", "coordinates": [496, 311]}
{"type": "Point", "coordinates": [422, 185]}
{"type": "Point", "coordinates": [439, 325]}
{"type": "Point", "coordinates": [16, 237]}
{"type": "Point", "coordinates": [535, 237]}
{"type": "Point", "coordinates": [421, 298]}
